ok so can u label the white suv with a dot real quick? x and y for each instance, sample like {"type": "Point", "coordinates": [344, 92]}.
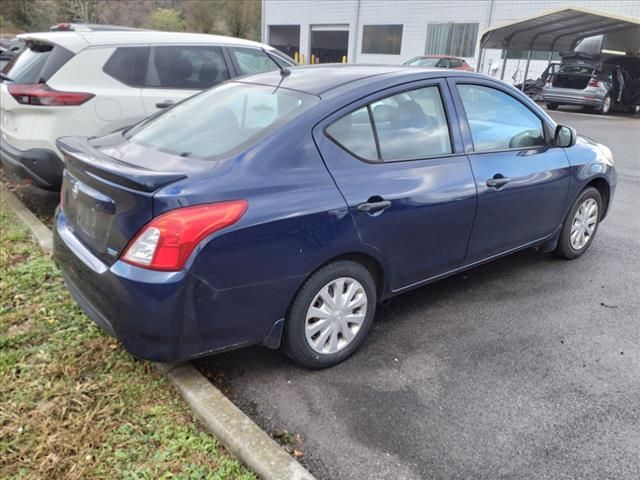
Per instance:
{"type": "Point", "coordinates": [92, 83]}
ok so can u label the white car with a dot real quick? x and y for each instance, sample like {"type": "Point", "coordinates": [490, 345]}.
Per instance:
{"type": "Point", "coordinates": [93, 83]}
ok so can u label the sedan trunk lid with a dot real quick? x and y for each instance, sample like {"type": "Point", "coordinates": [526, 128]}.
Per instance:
{"type": "Point", "coordinates": [105, 200]}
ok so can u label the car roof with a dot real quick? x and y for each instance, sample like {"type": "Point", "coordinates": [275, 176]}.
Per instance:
{"type": "Point", "coordinates": [440, 56]}
{"type": "Point", "coordinates": [319, 79]}
{"type": "Point", "coordinates": [76, 40]}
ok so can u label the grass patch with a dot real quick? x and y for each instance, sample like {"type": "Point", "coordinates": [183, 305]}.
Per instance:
{"type": "Point", "coordinates": [73, 403]}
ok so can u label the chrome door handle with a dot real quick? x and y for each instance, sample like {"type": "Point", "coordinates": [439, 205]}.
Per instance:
{"type": "Point", "coordinates": [497, 181]}
{"type": "Point", "coordinates": [372, 207]}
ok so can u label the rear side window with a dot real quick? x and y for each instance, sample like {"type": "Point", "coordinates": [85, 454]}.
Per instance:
{"type": "Point", "coordinates": [187, 67]}
{"type": "Point", "coordinates": [498, 121]}
{"type": "Point", "coordinates": [128, 65]}
{"type": "Point", "coordinates": [407, 126]}
{"type": "Point", "coordinates": [222, 120]}
{"type": "Point", "coordinates": [252, 60]}
{"type": "Point", "coordinates": [354, 133]}
{"type": "Point", "coordinates": [37, 63]}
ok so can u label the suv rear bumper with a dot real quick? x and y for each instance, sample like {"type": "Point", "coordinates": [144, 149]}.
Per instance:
{"type": "Point", "coordinates": [44, 167]}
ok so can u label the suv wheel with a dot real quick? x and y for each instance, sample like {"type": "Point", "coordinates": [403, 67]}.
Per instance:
{"type": "Point", "coordinates": [330, 315]}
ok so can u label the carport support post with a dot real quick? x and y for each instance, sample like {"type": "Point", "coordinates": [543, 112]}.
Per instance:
{"type": "Point", "coordinates": [526, 69]}
{"type": "Point", "coordinates": [504, 63]}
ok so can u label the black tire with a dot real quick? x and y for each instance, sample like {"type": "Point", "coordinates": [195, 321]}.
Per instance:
{"type": "Point", "coordinates": [603, 109]}
{"type": "Point", "coordinates": [564, 248]}
{"type": "Point", "coordinates": [552, 106]}
{"type": "Point", "coordinates": [295, 343]}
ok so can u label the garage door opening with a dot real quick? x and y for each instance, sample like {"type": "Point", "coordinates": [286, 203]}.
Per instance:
{"type": "Point", "coordinates": [285, 38]}
{"type": "Point", "coordinates": [329, 43]}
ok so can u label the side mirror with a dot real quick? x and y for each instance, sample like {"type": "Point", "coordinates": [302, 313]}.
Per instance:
{"type": "Point", "coordinates": [565, 136]}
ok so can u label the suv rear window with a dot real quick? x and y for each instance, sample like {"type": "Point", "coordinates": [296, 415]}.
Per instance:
{"type": "Point", "coordinates": [222, 120]}
{"type": "Point", "coordinates": [128, 65]}
{"type": "Point", "coordinates": [37, 63]}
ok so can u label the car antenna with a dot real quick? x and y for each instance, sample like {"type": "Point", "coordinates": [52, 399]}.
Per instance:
{"type": "Point", "coordinates": [284, 71]}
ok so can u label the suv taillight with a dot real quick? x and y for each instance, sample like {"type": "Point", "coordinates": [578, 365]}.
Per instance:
{"type": "Point", "coordinates": [594, 83]}
{"type": "Point", "coordinates": [43, 95]}
{"type": "Point", "coordinates": [167, 241]}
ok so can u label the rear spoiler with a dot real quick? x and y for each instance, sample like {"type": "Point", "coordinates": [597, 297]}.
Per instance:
{"type": "Point", "coordinates": [80, 154]}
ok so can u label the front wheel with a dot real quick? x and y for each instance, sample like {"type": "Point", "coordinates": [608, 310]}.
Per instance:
{"type": "Point", "coordinates": [330, 315]}
{"type": "Point", "coordinates": [581, 224]}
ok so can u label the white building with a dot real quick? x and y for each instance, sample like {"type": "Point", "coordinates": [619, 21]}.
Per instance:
{"type": "Point", "coordinates": [393, 31]}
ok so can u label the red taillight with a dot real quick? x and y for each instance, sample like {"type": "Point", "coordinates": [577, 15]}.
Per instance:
{"type": "Point", "coordinates": [167, 241]}
{"type": "Point", "coordinates": [43, 95]}
{"type": "Point", "coordinates": [594, 83]}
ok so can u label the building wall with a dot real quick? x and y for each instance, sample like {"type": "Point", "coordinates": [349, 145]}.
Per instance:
{"type": "Point", "coordinates": [414, 15]}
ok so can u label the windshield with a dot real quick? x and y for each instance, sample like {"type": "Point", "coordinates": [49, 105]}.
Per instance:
{"type": "Point", "coordinates": [424, 62]}
{"type": "Point", "coordinates": [37, 63]}
{"type": "Point", "coordinates": [221, 120]}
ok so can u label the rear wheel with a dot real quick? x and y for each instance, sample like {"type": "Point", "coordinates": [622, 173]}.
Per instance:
{"type": "Point", "coordinates": [330, 315]}
{"type": "Point", "coordinates": [552, 106]}
{"type": "Point", "coordinates": [605, 108]}
{"type": "Point", "coordinates": [581, 224]}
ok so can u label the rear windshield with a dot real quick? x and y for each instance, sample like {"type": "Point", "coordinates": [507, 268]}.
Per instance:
{"type": "Point", "coordinates": [37, 63]}
{"type": "Point", "coordinates": [577, 70]}
{"type": "Point", "coordinates": [424, 62]}
{"type": "Point", "coordinates": [221, 120]}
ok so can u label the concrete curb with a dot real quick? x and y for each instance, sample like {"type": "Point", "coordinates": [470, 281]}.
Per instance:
{"type": "Point", "coordinates": [38, 229]}
{"type": "Point", "coordinates": [237, 432]}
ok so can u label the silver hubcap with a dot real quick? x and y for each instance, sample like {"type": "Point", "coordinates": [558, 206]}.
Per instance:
{"type": "Point", "coordinates": [584, 223]}
{"type": "Point", "coordinates": [336, 315]}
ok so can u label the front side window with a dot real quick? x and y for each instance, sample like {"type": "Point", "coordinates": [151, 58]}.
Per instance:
{"type": "Point", "coordinates": [187, 67]}
{"type": "Point", "coordinates": [252, 60]}
{"type": "Point", "coordinates": [498, 121]}
{"type": "Point", "coordinates": [457, 39]}
{"type": "Point", "coordinates": [385, 39]}
{"type": "Point", "coordinates": [221, 120]}
{"type": "Point", "coordinates": [407, 126]}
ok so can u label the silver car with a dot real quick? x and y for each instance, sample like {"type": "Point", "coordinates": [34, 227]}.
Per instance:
{"type": "Point", "coordinates": [586, 85]}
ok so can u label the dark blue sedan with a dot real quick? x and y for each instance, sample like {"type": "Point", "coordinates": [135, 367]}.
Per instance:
{"type": "Point", "coordinates": [279, 209]}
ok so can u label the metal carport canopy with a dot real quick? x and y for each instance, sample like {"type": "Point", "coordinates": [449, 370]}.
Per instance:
{"type": "Point", "coordinates": [555, 31]}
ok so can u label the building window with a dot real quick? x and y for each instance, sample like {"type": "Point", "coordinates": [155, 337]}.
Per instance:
{"type": "Point", "coordinates": [386, 39]}
{"type": "Point", "coordinates": [458, 39]}
{"type": "Point", "coordinates": [285, 38]}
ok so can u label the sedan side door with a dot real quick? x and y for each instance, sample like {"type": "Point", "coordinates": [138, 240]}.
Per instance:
{"type": "Point", "coordinates": [521, 177]}
{"type": "Point", "coordinates": [397, 159]}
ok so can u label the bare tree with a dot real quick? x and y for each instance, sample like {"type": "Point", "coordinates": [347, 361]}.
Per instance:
{"type": "Point", "coordinates": [243, 18]}
{"type": "Point", "coordinates": [129, 13]}
{"type": "Point", "coordinates": [89, 11]}
{"type": "Point", "coordinates": [204, 16]}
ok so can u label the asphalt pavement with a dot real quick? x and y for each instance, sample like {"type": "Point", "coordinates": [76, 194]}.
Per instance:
{"type": "Point", "coordinates": [527, 368]}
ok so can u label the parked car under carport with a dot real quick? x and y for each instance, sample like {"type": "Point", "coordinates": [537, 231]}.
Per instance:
{"type": "Point", "coordinates": [589, 81]}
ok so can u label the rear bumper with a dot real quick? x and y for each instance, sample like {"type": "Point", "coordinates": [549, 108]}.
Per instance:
{"type": "Point", "coordinates": [572, 98]}
{"type": "Point", "coordinates": [157, 316]}
{"type": "Point", "coordinates": [44, 167]}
